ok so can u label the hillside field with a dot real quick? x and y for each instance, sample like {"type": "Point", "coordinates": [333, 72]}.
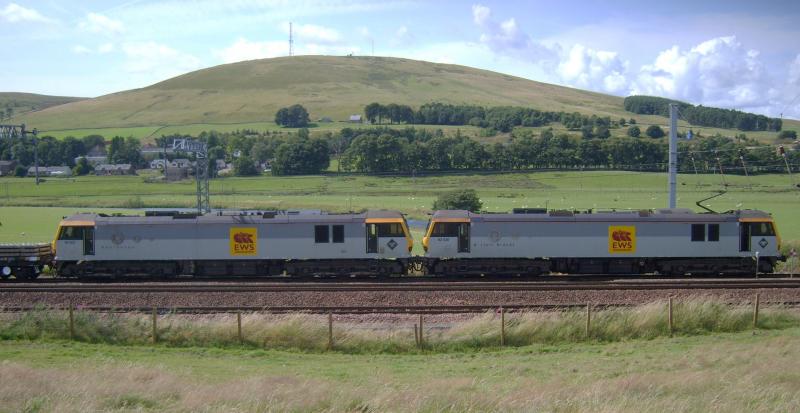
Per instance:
{"type": "Point", "coordinates": [328, 86]}
{"type": "Point", "coordinates": [26, 208]}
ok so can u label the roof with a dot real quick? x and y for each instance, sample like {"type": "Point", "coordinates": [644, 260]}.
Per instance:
{"type": "Point", "coordinates": [117, 166]}
{"type": "Point", "coordinates": [251, 218]}
{"type": "Point", "coordinates": [675, 215]}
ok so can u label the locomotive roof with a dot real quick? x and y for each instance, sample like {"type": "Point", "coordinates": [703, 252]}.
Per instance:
{"type": "Point", "coordinates": [675, 214]}
{"type": "Point", "coordinates": [249, 218]}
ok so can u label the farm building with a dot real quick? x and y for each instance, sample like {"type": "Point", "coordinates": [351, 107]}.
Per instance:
{"type": "Point", "coordinates": [115, 169]}
{"type": "Point", "coordinates": [50, 171]}
{"type": "Point", "coordinates": [355, 119]}
{"type": "Point", "coordinates": [7, 167]}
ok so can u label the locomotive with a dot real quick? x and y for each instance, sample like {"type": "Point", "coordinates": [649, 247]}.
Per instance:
{"type": "Point", "coordinates": [263, 243]}
{"type": "Point", "coordinates": [536, 241]}
{"type": "Point", "coordinates": [378, 243]}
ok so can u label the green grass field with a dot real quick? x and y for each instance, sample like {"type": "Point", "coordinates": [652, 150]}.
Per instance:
{"type": "Point", "coordinates": [413, 196]}
{"type": "Point", "coordinates": [147, 134]}
{"type": "Point", "coordinates": [721, 372]}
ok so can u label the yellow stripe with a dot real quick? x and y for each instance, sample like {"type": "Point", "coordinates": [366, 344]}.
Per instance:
{"type": "Point", "coordinates": [68, 223]}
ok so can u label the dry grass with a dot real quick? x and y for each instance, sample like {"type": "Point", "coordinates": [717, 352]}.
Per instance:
{"type": "Point", "coordinates": [309, 333]}
{"type": "Point", "coordinates": [721, 375]}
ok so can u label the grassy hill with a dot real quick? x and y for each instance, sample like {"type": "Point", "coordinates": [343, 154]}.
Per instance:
{"type": "Point", "coordinates": [22, 103]}
{"type": "Point", "coordinates": [247, 95]}
{"type": "Point", "coordinates": [329, 86]}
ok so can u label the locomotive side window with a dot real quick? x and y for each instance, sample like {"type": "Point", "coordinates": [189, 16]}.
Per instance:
{"type": "Point", "coordinates": [338, 234]}
{"type": "Point", "coordinates": [761, 229]}
{"type": "Point", "coordinates": [698, 232]}
{"type": "Point", "coordinates": [713, 232]}
{"type": "Point", "coordinates": [321, 234]}
{"type": "Point", "coordinates": [445, 229]}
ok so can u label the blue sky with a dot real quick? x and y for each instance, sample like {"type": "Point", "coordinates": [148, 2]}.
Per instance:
{"type": "Point", "coordinates": [735, 54]}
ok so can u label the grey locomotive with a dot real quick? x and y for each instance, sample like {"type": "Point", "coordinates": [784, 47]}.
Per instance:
{"type": "Point", "coordinates": [263, 243]}
{"type": "Point", "coordinates": [667, 241]}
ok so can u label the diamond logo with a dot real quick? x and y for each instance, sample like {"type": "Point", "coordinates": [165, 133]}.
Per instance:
{"type": "Point", "coordinates": [763, 243]}
{"type": "Point", "coordinates": [392, 244]}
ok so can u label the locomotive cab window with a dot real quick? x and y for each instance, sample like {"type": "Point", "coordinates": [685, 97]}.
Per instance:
{"type": "Point", "coordinates": [338, 234]}
{"type": "Point", "coordinates": [321, 234]}
{"type": "Point", "coordinates": [445, 229]}
{"type": "Point", "coordinates": [761, 229]}
{"type": "Point", "coordinates": [698, 232]}
{"type": "Point", "coordinates": [71, 233]}
{"type": "Point", "coordinates": [390, 230]}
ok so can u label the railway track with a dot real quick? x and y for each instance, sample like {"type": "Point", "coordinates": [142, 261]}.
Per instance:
{"type": "Point", "coordinates": [549, 285]}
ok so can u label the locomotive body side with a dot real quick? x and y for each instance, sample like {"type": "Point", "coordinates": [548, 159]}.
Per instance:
{"type": "Point", "coordinates": [233, 244]}
{"type": "Point", "coordinates": [673, 241]}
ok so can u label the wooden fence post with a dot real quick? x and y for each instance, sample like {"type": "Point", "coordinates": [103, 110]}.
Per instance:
{"type": "Point", "coordinates": [330, 331]}
{"type": "Point", "coordinates": [71, 323]}
{"type": "Point", "coordinates": [588, 319]}
{"type": "Point", "coordinates": [502, 327]}
{"type": "Point", "coordinates": [755, 311]}
{"type": "Point", "coordinates": [155, 325]}
{"type": "Point", "coordinates": [421, 335]}
{"type": "Point", "coordinates": [416, 335]}
{"type": "Point", "coordinates": [670, 317]}
{"type": "Point", "coordinates": [239, 326]}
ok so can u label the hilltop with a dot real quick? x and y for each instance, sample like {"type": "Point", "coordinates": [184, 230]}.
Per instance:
{"type": "Point", "coordinates": [328, 86]}
{"type": "Point", "coordinates": [21, 103]}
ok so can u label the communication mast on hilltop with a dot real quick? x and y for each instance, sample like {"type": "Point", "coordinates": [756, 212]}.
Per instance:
{"type": "Point", "coordinates": [291, 41]}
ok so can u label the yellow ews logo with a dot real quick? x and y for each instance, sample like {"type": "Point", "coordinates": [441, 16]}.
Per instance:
{"type": "Point", "coordinates": [621, 239]}
{"type": "Point", "coordinates": [244, 241]}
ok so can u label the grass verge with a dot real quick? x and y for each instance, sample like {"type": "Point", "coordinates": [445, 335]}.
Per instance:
{"type": "Point", "coordinates": [309, 333]}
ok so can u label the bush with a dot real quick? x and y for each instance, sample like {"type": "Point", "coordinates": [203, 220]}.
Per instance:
{"type": "Point", "coordinates": [788, 134]}
{"type": "Point", "coordinates": [466, 199]}
{"type": "Point", "coordinates": [634, 131]}
{"type": "Point", "coordinates": [655, 132]}
{"type": "Point", "coordinates": [244, 166]}
{"type": "Point", "coordinates": [20, 171]}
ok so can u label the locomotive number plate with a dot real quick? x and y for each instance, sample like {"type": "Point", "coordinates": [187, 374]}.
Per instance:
{"type": "Point", "coordinates": [621, 239]}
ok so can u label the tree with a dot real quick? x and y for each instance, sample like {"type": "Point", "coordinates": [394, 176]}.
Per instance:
{"type": "Point", "coordinates": [655, 132]}
{"type": "Point", "coordinates": [373, 112]}
{"type": "Point", "coordinates": [82, 167]}
{"type": "Point", "coordinates": [787, 134]}
{"type": "Point", "coordinates": [466, 199]}
{"type": "Point", "coordinates": [305, 156]}
{"type": "Point", "coordinates": [295, 116]}
{"type": "Point", "coordinates": [587, 132]}
{"type": "Point", "coordinates": [632, 121]}
{"type": "Point", "coordinates": [621, 122]}
{"type": "Point", "coordinates": [634, 131]}
{"type": "Point", "coordinates": [602, 132]}
{"type": "Point", "coordinates": [244, 166]}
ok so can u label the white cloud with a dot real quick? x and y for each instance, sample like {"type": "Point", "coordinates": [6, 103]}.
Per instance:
{"type": "Point", "coordinates": [98, 23]}
{"type": "Point", "coordinates": [105, 48]}
{"type": "Point", "coordinates": [14, 13]}
{"type": "Point", "coordinates": [717, 72]}
{"type": "Point", "coordinates": [157, 60]}
{"type": "Point", "coordinates": [577, 66]}
{"type": "Point", "coordinates": [314, 34]}
{"type": "Point", "coordinates": [81, 49]}
{"type": "Point", "coordinates": [365, 33]}
{"type": "Point", "coordinates": [594, 69]}
{"type": "Point", "coordinates": [402, 36]}
{"type": "Point", "coordinates": [243, 49]}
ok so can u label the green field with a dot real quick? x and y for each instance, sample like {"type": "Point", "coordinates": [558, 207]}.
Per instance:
{"type": "Point", "coordinates": [413, 196]}
{"type": "Point", "coordinates": [147, 134]}
{"type": "Point", "coordinates": [721, 372]}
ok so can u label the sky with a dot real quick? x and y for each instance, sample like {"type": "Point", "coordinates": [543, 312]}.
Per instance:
{"type": "Point", "coordinates": [735, 54]}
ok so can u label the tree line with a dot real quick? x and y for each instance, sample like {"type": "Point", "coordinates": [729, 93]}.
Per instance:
{"type": "Point", "coordinates": [702, 115]}
{"type": "Point", "coordinates": [384, 150]}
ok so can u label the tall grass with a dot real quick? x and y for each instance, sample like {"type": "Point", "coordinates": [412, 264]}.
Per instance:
{"type": "Point", "coordinates": [305, 332]}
